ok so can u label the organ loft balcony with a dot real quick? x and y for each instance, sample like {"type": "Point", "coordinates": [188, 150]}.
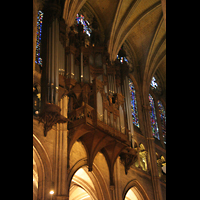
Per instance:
{"type": "Point", "coordinates": [98, 110]}
{"type": "Point", "coordinates": [99, 122]}
{"type": "Point", "coordinates": [86, 115]}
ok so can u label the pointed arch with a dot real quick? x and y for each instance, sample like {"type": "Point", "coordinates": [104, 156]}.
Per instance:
{"type": "Point", "coordinates": [99, 183]}
{"type": "Point", "coordinates": [122, 37]}
{"type": "Point", "coordinates": [138, 188]}
{"type": "Point", "coordinates": [118, 30]}
{"type": "Point", "coordinates": [44, 168]}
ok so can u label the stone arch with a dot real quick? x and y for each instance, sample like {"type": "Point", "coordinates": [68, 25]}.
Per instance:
{"type": "Point", "coordinates": [44, 169]}
{"type": "Point", "coordinates": [95, 176]}
{"type": "Point", "coordinates": [137, 188]}
{"type": "Point", "coordinates": [77, 152]}
{"type": "Point", "coordinates": [35, 180]}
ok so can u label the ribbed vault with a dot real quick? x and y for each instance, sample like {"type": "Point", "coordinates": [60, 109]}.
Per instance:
{"type": "Point", "coordinates": [137, 24]}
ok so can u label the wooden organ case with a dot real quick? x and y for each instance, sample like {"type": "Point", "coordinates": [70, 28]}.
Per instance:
{"type": "Point", "coordinates": [96, 104]}
{"type": "Point", "coordinates": [96, 108]}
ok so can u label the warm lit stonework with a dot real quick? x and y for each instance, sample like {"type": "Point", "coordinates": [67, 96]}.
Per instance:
{"type": "Point", "coordinates": [99, 100]}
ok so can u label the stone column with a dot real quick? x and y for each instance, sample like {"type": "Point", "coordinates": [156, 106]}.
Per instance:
{"type": "Point", "coordinates": [151, 152]}
{"type": "Point", "coordinates": [60, 159]}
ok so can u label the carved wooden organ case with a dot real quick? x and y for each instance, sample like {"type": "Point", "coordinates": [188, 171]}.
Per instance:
{"type": "Point", "coordinates": [97, 113]}
{"type": "Point", "coordinates": [97, 106]}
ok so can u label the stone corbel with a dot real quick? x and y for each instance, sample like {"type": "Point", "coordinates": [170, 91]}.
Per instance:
{"type": "Point", "coordinates": [128, 158]}
{"type": "Point", "coordinates": [50, 115]}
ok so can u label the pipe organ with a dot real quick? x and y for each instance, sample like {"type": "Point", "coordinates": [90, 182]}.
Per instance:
{"type": "Point", "coordinates": [97, 90]}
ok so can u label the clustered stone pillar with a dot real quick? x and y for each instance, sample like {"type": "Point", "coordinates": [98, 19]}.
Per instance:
{"type": "Point", "coordinates": [151, 152]}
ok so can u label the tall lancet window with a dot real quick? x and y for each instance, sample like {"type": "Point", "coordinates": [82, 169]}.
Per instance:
{"type": "Point", "coordinates": [38, 58]}
{"type": "Point", "coordinates": [163, 119]}
{"type": "Point", "coordinates": [134, 110]}
{"type": "Point", "coordinates": [154, 124]}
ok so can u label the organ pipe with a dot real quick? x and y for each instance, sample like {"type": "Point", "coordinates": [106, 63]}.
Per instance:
{"type": "Point", "coordinates": [81, 66]}
{"type": "Point", "coordinates": [128, 108]}
{"type": "Point", "coordinates": [56, 77]}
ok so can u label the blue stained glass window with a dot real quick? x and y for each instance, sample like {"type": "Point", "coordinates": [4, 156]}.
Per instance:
{"type": "Point", "coordinates": [163, 119]}
{"type": "Point", "coordinates": [134, 110]}
{"type": "Point", "coordinates": [81, 19]}
{"type": "Point", "coordinates": [154, 124]}
{"type": "Point", "coordinates": [38, 58]}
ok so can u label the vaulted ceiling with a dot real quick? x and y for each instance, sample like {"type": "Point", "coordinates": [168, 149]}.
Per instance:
{"type": "Point", "coordinates": [139, 24]}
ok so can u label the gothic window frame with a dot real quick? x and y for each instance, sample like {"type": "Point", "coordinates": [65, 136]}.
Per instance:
{"type": "Point", "coordinates": [136, 122]}
{"type": "Point", "coordinates": [156, 99]}
{"type": "Point", "coordinates": [161, 123]}
{"type": "Point", "coordinates": [154, 122]}
{"type": "Point", "coordinates": [156, 92]}
{"type": "Point", "coordinates": [38, 59]}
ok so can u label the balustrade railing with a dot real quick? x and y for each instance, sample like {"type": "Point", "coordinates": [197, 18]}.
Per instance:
{"type": "Point", "coordinates": [86, 114]}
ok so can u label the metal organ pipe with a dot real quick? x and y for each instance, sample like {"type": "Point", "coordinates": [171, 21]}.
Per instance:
{"type": "Point", "coordinates": [126, 102]}
{"type": "Point", "coordinates": [49, 66]}
{"type": "Point", "coordinates": [81, 66]}
{"type": "Point", "coordinates": [56, 60]}
{"type": "Point", "coordinates": [72, 66]}
{"type": "Point", "coordinates": [109, 84]}
{"type": "Point", "coordinates": [128, 108]}
{"type": "Point", "coordinates": [112, 84]}
{"type": "Point", "coordinates": [63, 59]}
{"type": "Point", "coordinates": [115, 88]}
{"type": "Point", "coordinates": [52, 60]}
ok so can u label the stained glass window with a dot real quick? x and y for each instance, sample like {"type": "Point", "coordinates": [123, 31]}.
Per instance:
{"type": "Point", "coordinates": [154, 124]}
{"type": "Point", "coordinates": [134, 110]}
{"type": "Point", "coordinates": [122, 59]}
{"type": "Point", "coordinates": [38, 59]}
{"type": "Point", "coordinates": [163, 119]}
{"type": "Point", "coordinates": [155, 84]}
{"type": "Point", "coordinates": [81, 19]}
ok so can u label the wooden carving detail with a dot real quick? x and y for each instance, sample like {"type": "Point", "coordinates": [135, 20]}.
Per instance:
{"type": "Point", "coordinates": [50, 116]}
{"type": "Point", "coordinates": [128, 158]}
